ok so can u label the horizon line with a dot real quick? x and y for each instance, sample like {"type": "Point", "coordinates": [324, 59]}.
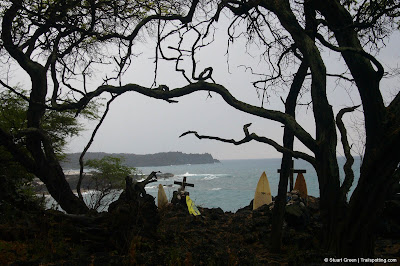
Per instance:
{"type": "Point", "coordinates": [265, 158]}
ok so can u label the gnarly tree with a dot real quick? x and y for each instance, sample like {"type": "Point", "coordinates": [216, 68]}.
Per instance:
{"type": "Point", "coordinates": [348, 226]}
{"type": "Point", "coordinates": [58, 38]}
{"type": "Point", "coordinates": [286, 164]}
{"type": "Point", "coordinates": [58, 43]}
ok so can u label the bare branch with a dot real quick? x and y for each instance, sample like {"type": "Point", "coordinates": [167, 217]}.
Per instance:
{"type": "Point", "coordinates": [249, 137]}
{"type": "Point", "coordinates": [278, 116]}
{"type": "Point", "coordinates": [78, 185]}
{"type": "Point", "coordinates": [138, 188]}
{"type": "Point", "coordinates": [232, 141]}
{"type": "Point", "coordinates": [341, 76]}
{"type": "Point", "coordinates": [378, 65]}
{"type": "Point", "coordinates": [14, 90]}
{"type": "Point", "coordinates": [349, 174]}
{"type": "Point", "coordinates": [152, 177]}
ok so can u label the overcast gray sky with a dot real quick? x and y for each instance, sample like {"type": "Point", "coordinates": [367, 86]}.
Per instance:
{"type": "Point", "coordinates": [142, 125]}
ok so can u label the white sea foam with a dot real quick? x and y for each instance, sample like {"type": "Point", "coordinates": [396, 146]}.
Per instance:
{"type": "Point", "coordinates": [210, 177]}
{"type": "Point", "coordinates": [71, 172]}
{"type": "Point", "coordinates": [89, 192]}
{"type": "Point", "coordinates": [207, 176]}
{"type": "Point", "coordinates": [188, 174]}
{"type": "Point", "coordinates": [77, 171]}
{"type": "Point", "coordinates": [216, 188]}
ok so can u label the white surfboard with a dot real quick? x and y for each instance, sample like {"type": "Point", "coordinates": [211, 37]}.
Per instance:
{"type": "Point", "coordinates": [263, 192]}
{"type": "Point", "coordinates": [162, 197]}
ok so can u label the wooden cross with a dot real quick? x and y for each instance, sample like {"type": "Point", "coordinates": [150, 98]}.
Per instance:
{"type": "Point", "coordinates": [183, 184]}
{"type": "Point", "coordinates": [292, 171]}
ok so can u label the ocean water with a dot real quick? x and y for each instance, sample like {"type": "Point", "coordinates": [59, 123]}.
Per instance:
{"type": "Point", "coordinates": [231, 184]}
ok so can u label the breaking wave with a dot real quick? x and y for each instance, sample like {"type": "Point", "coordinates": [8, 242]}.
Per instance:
{"type": "Point", "coordinates": [188, 174]}
{"type": "Point", "coordinates": [210, 177]}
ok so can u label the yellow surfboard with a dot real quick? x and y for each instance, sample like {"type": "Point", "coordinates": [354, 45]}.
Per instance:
{"type": "Point", "coordinates": [263, 192]}
{"type": "Point", "coordinates": [162, 197]}
{"type": "Point", "coordinates": [301, 186]}
{"type": "Point", "coordinates": [191, 207]}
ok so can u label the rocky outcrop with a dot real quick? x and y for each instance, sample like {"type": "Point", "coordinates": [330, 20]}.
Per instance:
{"type": "Point", "coordinates": [135, 211]}
{"type": "Point", "coordinates": [296, 213]}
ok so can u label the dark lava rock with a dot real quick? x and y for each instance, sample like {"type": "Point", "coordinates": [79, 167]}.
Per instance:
{"type": "Point", "coordinates": [246, 208]}
{"type": "Point", "coordinates": [296, 215]}
{"type": "Point", "coordinates": [313, 204]}
{"type": "Point", "coordinates": [213, 214]}
{"type": "Point", "coordinates": [264, 210]}
{"type": "Point", "coordinates": [389, 224]}
{"type": "Point", "coordinates": [165, 175]}
{"type": "Point", "coordinates": [243, 213]}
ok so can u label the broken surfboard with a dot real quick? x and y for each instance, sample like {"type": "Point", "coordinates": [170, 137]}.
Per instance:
{"type": "Point", "coordinates": [263, 192]}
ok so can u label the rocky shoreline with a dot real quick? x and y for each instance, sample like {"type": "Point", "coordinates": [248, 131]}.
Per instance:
{"type": "Point", "coordinates": [40, 188]}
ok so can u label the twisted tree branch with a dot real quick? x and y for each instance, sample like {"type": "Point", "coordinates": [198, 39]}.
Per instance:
{"type": "Point", "coordinates": [278, 116]}
{"type": "Point", "coordinates": [249, 137]}
{"type": "Point", "coordinates": [380, 72]}
{"type": "Point", "coordinates": [349, 174]}
{"type": "Point", "coordinates": [78, 185]}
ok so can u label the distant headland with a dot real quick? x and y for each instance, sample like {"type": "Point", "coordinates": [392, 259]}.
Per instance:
{"type": "Point", "coordinates": [71, 160]}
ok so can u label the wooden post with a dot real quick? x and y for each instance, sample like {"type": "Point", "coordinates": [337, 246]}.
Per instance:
{"type": "Point", "coordinates": [179, 196]}
{"type": "Point", "coordinates": [292, 171]}
{"type": "Point", "coordinates": [183, 184]}
{"type": "Point", "coordinates": [291, 183]}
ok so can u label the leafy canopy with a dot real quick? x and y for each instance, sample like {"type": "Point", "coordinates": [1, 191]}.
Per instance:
{"type": "Point", "coordinates": [59, 125]}
{"type": "Point", "coordinates": [110, 171]}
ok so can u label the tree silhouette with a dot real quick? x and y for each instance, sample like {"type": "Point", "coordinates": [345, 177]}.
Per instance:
{"type": "Point", "coordinates": [64, 40]}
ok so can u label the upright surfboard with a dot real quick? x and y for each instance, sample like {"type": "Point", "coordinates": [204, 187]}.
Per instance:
{"type": "Point", "coordinates": [162, 197]}
{"type": "Point", "coordinates": [191, 207]}
{"type": "Point", "coordinates": [301, 185]}
{"type": "Point", "coordinates": [263, 192]}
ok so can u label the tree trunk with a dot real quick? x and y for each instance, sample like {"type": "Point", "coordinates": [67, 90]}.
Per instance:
{"type": "Point", "coordinates": [53, 177]}
{"type": "Point", "coordinates": [326, 138]}
{"type": "Point", "coordinates": [329, 186]}
{"type": "Point", "coordinates": [288, 139]}
{"type": "Point", "coordinates": [379, 173]}
{"type": "Point", "coordinates": [280, 202]}
{"type": "Point", "coordinates": [40, 146]}
{"type": "Point", "coordinates": [354, 236]}
{"type": "Point", "coordinates": [44, 165]}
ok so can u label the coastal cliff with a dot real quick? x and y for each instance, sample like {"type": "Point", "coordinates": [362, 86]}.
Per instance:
{"type": "Point", "coordinates": [71, 160]}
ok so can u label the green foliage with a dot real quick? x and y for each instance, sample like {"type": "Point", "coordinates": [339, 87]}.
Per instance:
{"type": "Point", "coordinates": [58, 125]}
{"type": "Point", "coordinates": [109, 176]}
{"type": "Point", "coordinates": [12, 120]}
{"type": "Point", "coordinates": [110, 170]}
{"type": "Point", "coordinates": [12, 112]}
